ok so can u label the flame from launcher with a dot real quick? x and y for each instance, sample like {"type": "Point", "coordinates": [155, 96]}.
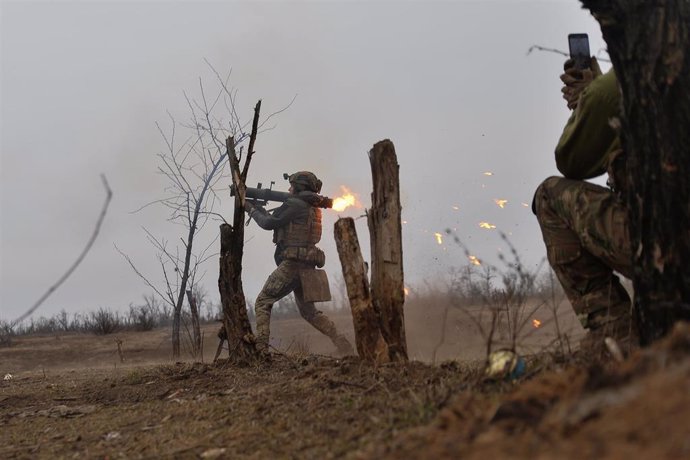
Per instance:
{"type": "Point", "coordinates": [439, 238]}
{"type": "Point", "coordinates": [474, 260]}
{"type": "Point", "coordinates": [536, 323]}
{"type": "Point", "coordinates": [488, 173]}
{"type": "Point", "coordinates": [407, 291]}
{"type": "Point", "coordinates": [346, 200]}
{"type": "Point", "coordinates": [486, 225]}
{"type": "Point", "coordinates": [501, 203]}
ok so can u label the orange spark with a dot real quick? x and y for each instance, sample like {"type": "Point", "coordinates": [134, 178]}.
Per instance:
{"type": "Point", "coordinates": [486, 225]}
{"type": "Point", "coordinates": [407, 291]}
{"type": "Point", "coordinates": [474, 260]}
{"type": "Point", "coordinates": [439, 238]}
{"type": "Point", "coordinates": [525, 205]}
{"type": "Point", "coordinates": [501, 203]}
{"type": "Point", "coordinates": [536, 323]}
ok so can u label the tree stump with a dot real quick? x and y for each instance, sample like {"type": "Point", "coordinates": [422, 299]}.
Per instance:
{"type": "Point", "coordinates": [368, 338]}
{"type": "Point", "coordinates": [385, 230]}
{"type": "Point", "coordinates": [238, 331]}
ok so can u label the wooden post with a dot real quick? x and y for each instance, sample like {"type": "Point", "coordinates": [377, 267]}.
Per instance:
{"type": "Point", "coordinates": [385, 229]}
{"type": "Point", "coordinates": [368, 338]}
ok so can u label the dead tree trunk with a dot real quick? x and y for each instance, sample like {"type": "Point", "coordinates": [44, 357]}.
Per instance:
{"type": "Point", "coordinates": [238, 331]}
{"type": "Point", "coordinates": [368, 338]}
{"type": "Point", "coordinates": [241, 344]}
{"type": "Point", "coordinates": [649, 44]}
{"type": "Point", "coordinates": [196, 328]}
{"type": "Point", "coordinates": [385, 229]}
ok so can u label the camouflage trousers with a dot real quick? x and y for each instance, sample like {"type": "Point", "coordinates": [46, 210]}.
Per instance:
{"type": "Point", "coordinates": [284, 280]}
{"type": "Point", "coordinates": [585, 229]}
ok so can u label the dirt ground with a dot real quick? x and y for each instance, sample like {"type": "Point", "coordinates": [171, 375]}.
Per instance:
{"type": "Point", "coordinates": [71, 396]}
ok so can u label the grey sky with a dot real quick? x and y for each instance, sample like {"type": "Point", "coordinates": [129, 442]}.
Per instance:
{"type": "Point", "coordinates": [82, 85]}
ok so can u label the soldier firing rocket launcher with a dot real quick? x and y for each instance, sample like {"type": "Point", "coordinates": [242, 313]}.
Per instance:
{"type": "Point", "coordinates": [261, 196]}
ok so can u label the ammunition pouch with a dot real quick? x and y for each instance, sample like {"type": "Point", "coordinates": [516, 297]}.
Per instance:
{"type": "Point", "coordinates": [314, 285]}
{"type": "Point", "coordinates": [308, 254]}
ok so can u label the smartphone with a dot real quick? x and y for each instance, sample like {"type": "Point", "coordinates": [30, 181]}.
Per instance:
{"type": "Point", "coordinates": [579, 50]}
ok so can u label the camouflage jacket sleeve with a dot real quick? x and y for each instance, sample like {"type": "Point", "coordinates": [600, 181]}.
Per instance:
{"type": "Point", "coordinates": [290, 210]}
{"type": "Point", "coordinates": [588, 139]}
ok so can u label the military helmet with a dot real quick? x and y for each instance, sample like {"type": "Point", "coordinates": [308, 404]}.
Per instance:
{"type": "Point", "coordinates": [306, 179]}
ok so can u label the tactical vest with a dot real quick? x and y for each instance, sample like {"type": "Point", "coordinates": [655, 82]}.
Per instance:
{"type": "Point", "coordinates": [297, 240]}
{"type": "Point", "coordinates": [300, 232]}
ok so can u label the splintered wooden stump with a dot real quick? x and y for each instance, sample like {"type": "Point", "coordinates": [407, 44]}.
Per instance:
{"type": "Point", "coordinates": [385, 230]}
{"type": "Point", "coordinates": [238, 331]}
{"type": "Point", "coordinates": [368, 338]}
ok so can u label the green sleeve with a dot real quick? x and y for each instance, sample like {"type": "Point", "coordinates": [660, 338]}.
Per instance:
{"type": "Point", "coordinates": [588, 138]}
{"type": "Point", "coordinates": [291, 210]}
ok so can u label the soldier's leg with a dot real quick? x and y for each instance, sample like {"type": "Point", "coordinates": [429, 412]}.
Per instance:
{"type": "Point", "coordinates": [585, 232]}
{"type": "Point", "coordinates": [321, 322]}
{"type": "Point", "coordinates": [279, 284]}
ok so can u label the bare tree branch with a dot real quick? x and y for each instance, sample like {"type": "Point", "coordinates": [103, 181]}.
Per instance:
{"type": "Point", "coordinates": [548, 50]}
{"type": "Point", "coordinates": [561, 52]}
{"type": "Point", "coordinates": [139, 274]}
{"type": "Point", "coordinates": [252, 140]}
{"type": "Point", "coordinates": [271, 115]}
{"type": "Point", "coordinates": [70, 270]}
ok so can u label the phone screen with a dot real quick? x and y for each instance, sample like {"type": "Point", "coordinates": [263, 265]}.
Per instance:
{"type": "Point", "coordinates": [579, 50]}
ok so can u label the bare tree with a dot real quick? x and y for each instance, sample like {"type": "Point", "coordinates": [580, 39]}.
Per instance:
{"type": "Point", "coordinates": [649, 45]}
{"type": "Point", "coordinates": [194, 168]}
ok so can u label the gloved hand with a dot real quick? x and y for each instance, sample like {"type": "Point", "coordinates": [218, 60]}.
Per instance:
{"type": "Point", "coordinates": [252, 208]}
{"type": "Point", "coordinates": [576, 80]}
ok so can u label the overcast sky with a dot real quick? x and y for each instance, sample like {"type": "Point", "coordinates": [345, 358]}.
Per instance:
{"type": "Point", "coordinates": [450, 83]}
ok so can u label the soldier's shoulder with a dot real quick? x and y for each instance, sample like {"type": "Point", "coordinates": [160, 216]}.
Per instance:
{"type": "Point", "coordinates": [294, 201]}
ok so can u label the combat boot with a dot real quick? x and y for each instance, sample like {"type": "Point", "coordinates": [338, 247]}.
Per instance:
{"type": "Point", "coordinates": [262, 353]}
{"type": "Point", "coordinates": [619, 326]}
{"type": "Point", "coordinates": [343, 345]}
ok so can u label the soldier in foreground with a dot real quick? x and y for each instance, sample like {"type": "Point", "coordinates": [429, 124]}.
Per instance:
{"type": "Point", "coordinates": [296, 229]}
{"type": "Point", "coordinates": [585, 226]}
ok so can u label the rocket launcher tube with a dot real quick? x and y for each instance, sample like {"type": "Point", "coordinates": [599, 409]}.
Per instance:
{"type": "Point", "coordinates": [261, 196]}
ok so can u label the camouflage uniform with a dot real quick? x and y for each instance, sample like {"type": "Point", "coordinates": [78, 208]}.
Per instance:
{"type": "Point", "coordinates": [296, 229]}
{"type": "Point", "coordinates": [585, 226]}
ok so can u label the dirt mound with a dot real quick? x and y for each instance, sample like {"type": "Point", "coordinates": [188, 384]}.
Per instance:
{"type": "Point", "coordinates": [639, 408]}
{"type": "Point", "coordinates": [306, 407]}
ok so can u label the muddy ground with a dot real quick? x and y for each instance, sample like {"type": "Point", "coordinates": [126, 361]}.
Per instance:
{"type": "Point", "coordinates": [71, 396]}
